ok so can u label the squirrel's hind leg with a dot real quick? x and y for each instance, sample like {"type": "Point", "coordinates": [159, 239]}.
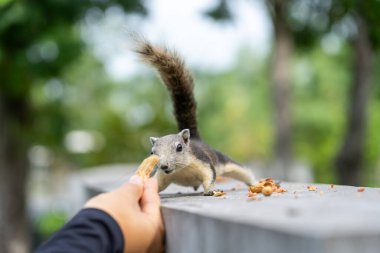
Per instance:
{"type": "Point", "coordinates": [238, 172]}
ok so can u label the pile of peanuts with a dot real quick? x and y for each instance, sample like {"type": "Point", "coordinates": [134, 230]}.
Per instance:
{"type": "Point", "coordinates": [266, 186]}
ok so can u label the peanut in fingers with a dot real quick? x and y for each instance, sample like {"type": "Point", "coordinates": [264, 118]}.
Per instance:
{"type": "Point", "coordinates": [147, 166]}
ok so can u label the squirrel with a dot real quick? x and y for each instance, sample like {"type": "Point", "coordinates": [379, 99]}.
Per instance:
{"type": "Point", "coordinates": [184, 159]}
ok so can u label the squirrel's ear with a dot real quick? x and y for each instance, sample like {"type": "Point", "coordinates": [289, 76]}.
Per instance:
{"type": "Point", "coordinates": [153, 140]}
{"type": "Point", "coordinates": [185, 134]}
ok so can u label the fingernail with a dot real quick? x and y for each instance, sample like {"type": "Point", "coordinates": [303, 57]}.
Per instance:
{"type": "Point", "coordinates": [135, 180]}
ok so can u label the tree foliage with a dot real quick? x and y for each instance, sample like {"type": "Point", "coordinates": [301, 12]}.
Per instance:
{"type": "Point", "coordinates": [38, 41]}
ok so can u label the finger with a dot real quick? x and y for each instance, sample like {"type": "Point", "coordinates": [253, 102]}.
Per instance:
{"type": "Point", "coordinates": [150, 201]}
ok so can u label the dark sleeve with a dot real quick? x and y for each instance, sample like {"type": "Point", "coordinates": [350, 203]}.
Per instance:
{"type": "Point", "coordinates": [91, 230]}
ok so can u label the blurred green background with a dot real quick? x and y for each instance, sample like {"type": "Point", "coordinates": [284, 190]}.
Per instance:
{"type": "Point", "coordinates": [307, 94]}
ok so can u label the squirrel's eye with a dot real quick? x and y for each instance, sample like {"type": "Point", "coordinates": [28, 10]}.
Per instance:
{"type": "Point", "coordinates": [179, 148]}
{"type": "Point", "coordinates": [151, 152]}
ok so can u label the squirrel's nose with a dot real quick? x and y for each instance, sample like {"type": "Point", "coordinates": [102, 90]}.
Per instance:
{"type": "Point", "coordinates": [164, 167]}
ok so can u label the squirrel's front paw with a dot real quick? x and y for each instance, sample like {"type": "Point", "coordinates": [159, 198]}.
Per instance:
{"type": "Point", "coordinates": [208, 193]}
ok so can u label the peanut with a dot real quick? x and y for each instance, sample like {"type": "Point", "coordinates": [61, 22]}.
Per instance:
{"type": "Point", "coordinates": [146, 167]}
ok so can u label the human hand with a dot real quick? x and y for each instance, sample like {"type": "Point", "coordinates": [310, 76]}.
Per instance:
{"type": "Point", "coordinates": [136, 208]}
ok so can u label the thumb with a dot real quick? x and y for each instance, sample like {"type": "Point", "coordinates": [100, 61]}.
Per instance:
{"type": "Point", "coordinates": [150, 201]}
{"type": "Point", "coordinates": [133, 188]}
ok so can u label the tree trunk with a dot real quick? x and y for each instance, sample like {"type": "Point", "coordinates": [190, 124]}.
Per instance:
{"type": "Point", "coordinates": [349, 158]}
{"type": "Point", "coordinates": [13, 178]}
{"type": "Point", "coordinates": [283, 47]}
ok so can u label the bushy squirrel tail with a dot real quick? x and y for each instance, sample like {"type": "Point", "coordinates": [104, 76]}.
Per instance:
{"type": "Point", "coordinates": [177, 79]}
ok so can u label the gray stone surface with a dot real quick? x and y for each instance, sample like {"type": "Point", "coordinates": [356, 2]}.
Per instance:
{"type": "Point", "coordinates": [338, 219]}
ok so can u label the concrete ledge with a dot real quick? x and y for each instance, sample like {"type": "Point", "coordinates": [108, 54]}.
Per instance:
{"type": "Point", "coordinates": [338, 219]}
